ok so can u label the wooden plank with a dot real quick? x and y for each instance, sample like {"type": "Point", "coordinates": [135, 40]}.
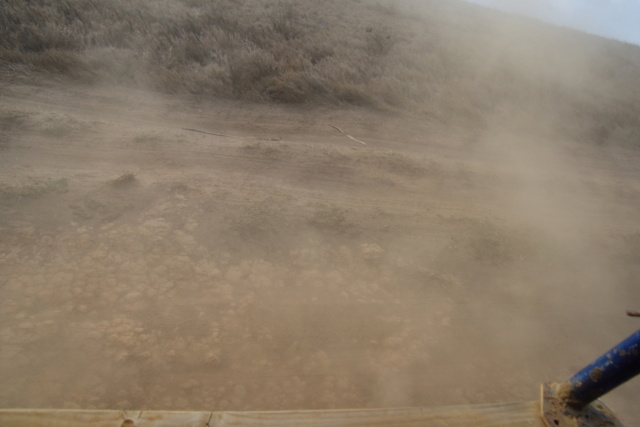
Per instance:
{"type": "Point", "coordinates": [525, 414]}
{"type": "Point", "coordinates": [515, 414]}
{"type": "Point", "coordinates": [73, 418]}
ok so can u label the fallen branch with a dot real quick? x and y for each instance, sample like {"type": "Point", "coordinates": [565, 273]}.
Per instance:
{"type": "Point", "coordinates": [347, 135]}
{"type": "Point", "coordinates": [209, 133]}
{"type": "Point", "coordinates": [232, 136]}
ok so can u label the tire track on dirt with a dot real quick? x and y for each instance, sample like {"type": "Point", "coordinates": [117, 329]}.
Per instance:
{"type": "Point", "coordinates": [308, 178]}
{"type": "Point", "coordinates": [317, 172]}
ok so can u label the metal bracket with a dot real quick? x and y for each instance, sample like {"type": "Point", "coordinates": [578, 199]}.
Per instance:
{"type": "Point", "coordinates": [556, 413]}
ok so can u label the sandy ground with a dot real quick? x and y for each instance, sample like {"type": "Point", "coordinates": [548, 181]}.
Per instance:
{"type": "Point", "coordinates": [286, 266]}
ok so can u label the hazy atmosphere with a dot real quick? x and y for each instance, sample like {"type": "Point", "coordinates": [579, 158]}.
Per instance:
{"type": "Point", "coordinates": [236, 205]}
{"type": "Point", "coordinates": [614, 19]}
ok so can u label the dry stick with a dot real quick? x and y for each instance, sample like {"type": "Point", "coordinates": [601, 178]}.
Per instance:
{"type": "Point", "coordinates": [232, 136]}
{"type": "Point", "coordinates": [633, 313]}
{"type": "Point", "coordinates": [209, 133]}
{"type": "Point", "coordinates": [347, 135]}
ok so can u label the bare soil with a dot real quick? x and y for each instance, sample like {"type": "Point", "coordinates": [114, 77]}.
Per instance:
{"type": "Point", "coordinates": [286, 266]}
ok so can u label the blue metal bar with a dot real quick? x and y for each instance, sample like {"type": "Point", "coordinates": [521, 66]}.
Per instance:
{"type": "Point", "coordinates": [610, 370]}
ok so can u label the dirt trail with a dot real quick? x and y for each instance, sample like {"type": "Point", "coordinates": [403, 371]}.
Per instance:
{"type": "Point", "coordinates": [426, 268]}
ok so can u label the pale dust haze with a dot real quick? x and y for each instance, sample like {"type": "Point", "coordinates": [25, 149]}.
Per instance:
{"type": "Point", "coordinates": [277, 264]}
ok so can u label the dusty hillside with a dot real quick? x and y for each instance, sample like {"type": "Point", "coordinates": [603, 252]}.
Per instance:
{"type": "Point", "coordinates": [479, 235]}
{"type": "Point", "coordinates": [450, 61]}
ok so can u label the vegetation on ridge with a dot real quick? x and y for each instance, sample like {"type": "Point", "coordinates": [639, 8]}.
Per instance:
{"type": "Point", "coordinates": [452, 61]}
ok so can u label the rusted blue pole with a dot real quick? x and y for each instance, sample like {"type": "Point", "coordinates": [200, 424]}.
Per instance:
{"type": "Point", "coordinates": [610, 370]}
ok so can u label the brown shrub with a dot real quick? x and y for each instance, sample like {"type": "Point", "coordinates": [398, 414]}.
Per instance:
{"type": "Point", "coordinates": [379, 42]}
{"type": "Point", "coordinates": [249, 71]}
{"type": "Point", "coordinates": [353, 94]}
{"type": "Point", "coordinates": [294, 87]}
{"type": "Point", "coordinates": [59, 62]}
{"type": "Point", "coordinates": [285, 21]}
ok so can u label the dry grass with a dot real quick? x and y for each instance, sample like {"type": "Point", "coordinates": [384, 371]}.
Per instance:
{"type": "Point", "coordinates": [450, 61]}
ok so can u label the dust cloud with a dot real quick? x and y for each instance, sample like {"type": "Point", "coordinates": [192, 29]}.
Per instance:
{"type": "Point", "coordinates": [275, 264]}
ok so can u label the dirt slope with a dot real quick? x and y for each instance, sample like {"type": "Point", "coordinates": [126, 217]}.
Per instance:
{"type": "Point", "coordinates": [287, 266]}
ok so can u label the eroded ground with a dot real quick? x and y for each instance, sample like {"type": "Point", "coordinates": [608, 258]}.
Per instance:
{"type": "Point", "coordinates": [286, 266]}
